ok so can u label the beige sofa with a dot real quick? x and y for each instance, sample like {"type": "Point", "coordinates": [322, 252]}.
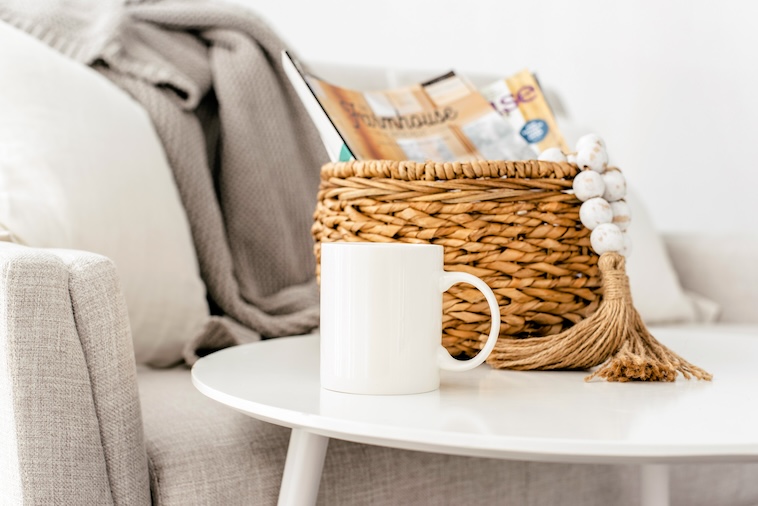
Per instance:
{"type": "Point", "coordinates": [81, 423]}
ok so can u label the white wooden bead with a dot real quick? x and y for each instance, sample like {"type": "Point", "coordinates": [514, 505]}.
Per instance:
{"type": "Point", "coordinates": [592, 157]}
{"type": "Point", "coordinates": [552, 155]}
{"type": "Point", "coordinates": [615, 185]}
{"type": "Point", "coordinates": [588, 184]}
{"type": "Point", "coordinates": [571, 158]}
{"type": "Point", "coordinates": [622, 215]}
{"type": "Point", "coordinates": [627, 250]}
{"type": "Point", "coordinates": [595, 212]}
{"type": "Point", "coordinates": [607, 237]}
{"type": "Point", "coordinates": [589, 140]}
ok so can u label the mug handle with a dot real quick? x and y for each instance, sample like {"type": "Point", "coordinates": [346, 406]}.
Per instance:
{"type": "Point", "coordinates": [444, 360]}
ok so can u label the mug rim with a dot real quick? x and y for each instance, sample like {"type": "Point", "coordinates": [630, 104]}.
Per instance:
{"type": "Point", "coordinates": [396, 245]}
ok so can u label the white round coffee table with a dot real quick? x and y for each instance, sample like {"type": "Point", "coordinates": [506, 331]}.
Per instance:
{"type": "Point", "coordinates": [540, 416]}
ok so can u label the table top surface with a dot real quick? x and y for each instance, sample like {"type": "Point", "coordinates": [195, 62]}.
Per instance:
{"type": "Point", "coordinates": [544, 416]}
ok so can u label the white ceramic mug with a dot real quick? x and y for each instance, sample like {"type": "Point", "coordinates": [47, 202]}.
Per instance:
{"type": "Point", "coordinates": [381, 317]}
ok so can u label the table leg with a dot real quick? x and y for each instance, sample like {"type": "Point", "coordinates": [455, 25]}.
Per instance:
{"type": "Point", "coordinates": [654, 485]}
{"type": "Point", "coordinates": [302, 470]}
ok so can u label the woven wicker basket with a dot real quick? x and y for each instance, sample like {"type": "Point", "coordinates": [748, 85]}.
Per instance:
{"type": "Point", "coordinates": [511, 223]}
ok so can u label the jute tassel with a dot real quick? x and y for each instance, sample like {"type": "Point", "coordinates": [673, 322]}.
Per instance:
{"type": "Point", "coordinates": [614, 336]}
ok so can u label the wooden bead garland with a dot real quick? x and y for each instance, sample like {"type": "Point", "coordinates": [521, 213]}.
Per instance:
{"type": "Point", "coordinates": [615, 185]}
{"type": "Point", "coordinates": [588, 184]}
{"type": "Point", "coordinates": [594, 212]}
{"type": "Point", "coordinates": [552, 155]}
{"type": "Point", "coordinates": [622, 215]}
{"type": "Point", "coordinates": [607, 237]}
{"type": "Point", "coordinates": [598, 187]}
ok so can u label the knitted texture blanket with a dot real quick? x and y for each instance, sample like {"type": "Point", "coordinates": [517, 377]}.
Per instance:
{"type": "Point", "coordinates": [244, 153]}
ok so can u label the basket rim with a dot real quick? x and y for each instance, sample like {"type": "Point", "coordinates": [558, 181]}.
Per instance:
{"type": "Point", "coordinates": [406, 170]}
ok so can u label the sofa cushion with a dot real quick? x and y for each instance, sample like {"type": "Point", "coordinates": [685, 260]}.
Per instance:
{"type": "Point", "coordinates": [201, 452]}
{"type": "Point", "coordinates": [82, 168]}
{"type": "Point", "coordinates": [655, 286]}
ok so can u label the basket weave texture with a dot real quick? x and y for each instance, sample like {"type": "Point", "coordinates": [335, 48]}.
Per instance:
{"type": "Point", "coordinates": [511, 223]}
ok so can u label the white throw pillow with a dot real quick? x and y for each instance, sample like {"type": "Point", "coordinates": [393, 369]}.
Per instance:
{"type": "Point", "coordinates": [657, 293]}
{"type": "Point", "coordinates": [81, 167]}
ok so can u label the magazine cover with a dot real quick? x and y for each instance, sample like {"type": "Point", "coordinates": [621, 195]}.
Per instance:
{"type": "Point", "coordinates": [443, 119]}
{"type": "Point", "coordinates": [520, 99]}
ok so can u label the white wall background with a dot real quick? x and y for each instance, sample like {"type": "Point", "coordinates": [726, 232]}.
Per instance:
{"type": "Point", "coordinates": [672, 86]}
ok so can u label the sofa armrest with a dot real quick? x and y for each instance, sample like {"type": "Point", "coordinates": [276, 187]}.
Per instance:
{"type": "Point", "coordinates": [721, 268]}
{"type": "Point", "coordinates": [70, 420]}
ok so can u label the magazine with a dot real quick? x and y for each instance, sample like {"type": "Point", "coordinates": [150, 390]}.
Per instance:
{"type": "Point", "coordinates": [443, 119]}
{"type": "Point", "coordinates": [334, 144]}
{"type": "Point", "coordinates": [520, 99]}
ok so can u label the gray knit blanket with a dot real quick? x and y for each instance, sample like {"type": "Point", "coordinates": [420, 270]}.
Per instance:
{"type": "Point", "coordinates": [244, 153]}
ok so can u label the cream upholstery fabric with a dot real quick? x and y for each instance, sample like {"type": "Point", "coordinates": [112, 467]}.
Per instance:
{"type": "Point", "coordinates": [69, 410]}
{"type": "Point", "coordinates": [102, 323]}
{"type": "Point", "coordinates": [203, 453]}
{"type": "Point", "coordinates": [356, 474]}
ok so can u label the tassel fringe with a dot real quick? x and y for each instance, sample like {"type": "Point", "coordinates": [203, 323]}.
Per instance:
{"type": "Point", "coordinates": [614, 337]}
